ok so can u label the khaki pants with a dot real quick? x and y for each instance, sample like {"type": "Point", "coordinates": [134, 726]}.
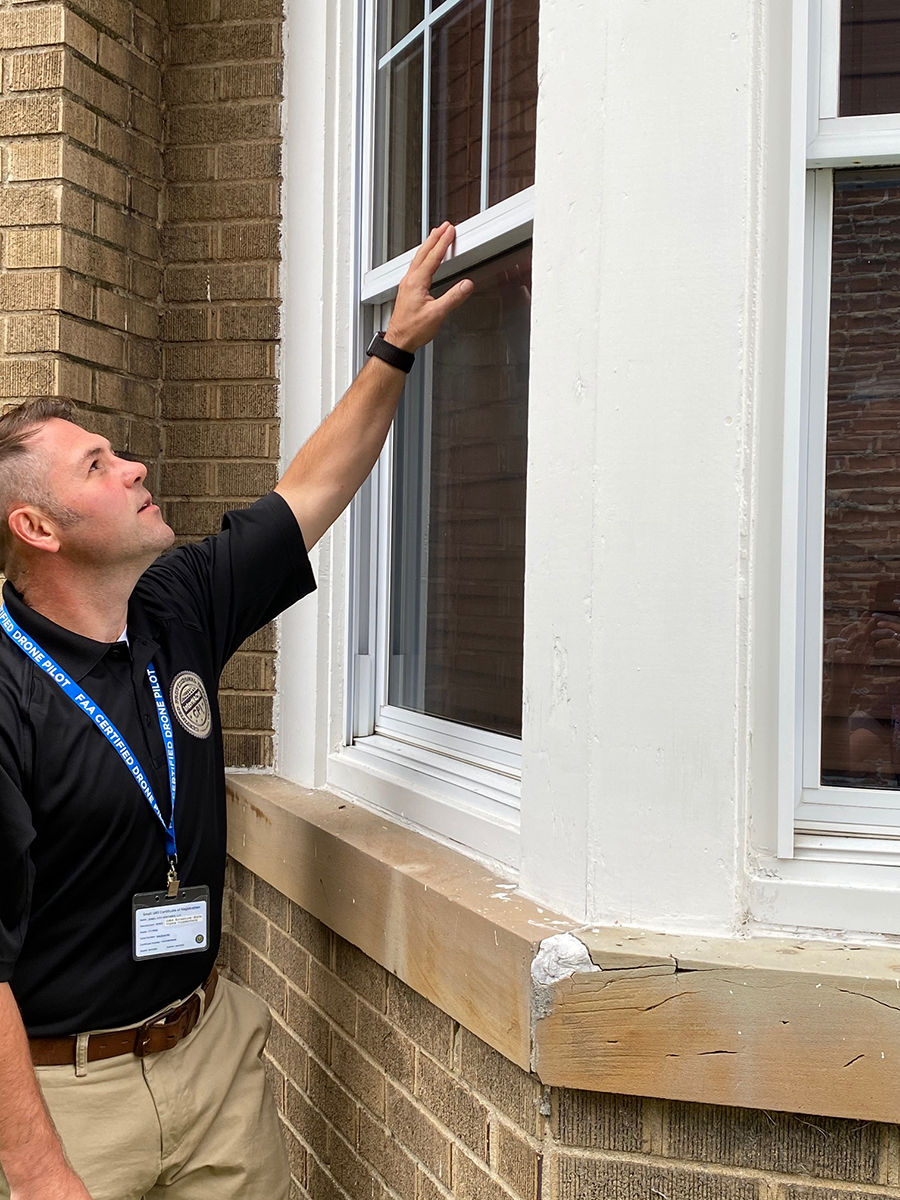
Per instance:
{"type": "Point", "coordinates": [197, 1122]}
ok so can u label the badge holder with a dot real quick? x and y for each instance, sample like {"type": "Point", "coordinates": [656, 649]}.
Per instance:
{"type": "Point", "coordinates": [164, 925]}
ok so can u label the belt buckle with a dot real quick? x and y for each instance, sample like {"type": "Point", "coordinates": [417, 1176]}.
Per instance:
{"type": "Point", "coordinates": [183, 1019]}
{"type": "Point", "coordinates": [142, 1039]}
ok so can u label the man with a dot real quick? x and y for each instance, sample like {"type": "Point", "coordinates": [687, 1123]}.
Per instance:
{"type": "Point", "coordinates": [112, 839]}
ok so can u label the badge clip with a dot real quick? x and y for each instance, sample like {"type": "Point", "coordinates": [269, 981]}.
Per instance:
{"type": "Point", "coordinates": [172, 881]}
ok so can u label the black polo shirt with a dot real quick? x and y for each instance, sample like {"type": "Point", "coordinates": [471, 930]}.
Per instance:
{"type": "Point", "coordinates": [78, 838]}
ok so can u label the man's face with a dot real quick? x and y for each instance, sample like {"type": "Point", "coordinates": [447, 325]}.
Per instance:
{"type": "Point", "coordinates": [116, 519]}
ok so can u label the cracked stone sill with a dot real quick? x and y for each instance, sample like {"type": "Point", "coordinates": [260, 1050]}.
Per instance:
{"type": "Point", "coordinates": [806, 1027]}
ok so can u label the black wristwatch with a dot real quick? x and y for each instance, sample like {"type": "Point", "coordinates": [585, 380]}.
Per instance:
{"type": "Point", "coordinates": [379, 348]}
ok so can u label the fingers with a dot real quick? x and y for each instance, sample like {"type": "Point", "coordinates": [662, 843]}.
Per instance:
{"type": "Point", "coordinates": [428, 245]}
{"type": "Point", "coordinates": [454, 298]}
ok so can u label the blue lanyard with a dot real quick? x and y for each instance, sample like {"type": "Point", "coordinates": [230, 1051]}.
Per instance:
{"type": "Point", "coordinates": [43, 660]}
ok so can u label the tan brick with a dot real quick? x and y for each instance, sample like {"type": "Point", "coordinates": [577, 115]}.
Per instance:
{"type": "Point", "coordinates": [296, 1152]}
{"type": "Point", "coordinates": [26, 290]}
{"type": "Point", "coordinates": [287, 1052]}
{"type": "Point", "coordinates": [148, 34]}
{"type": "Point", "coordinates": [387, 1046]}
{"type": "Point", "coordinates": [237, 401]}
{"type": "Point", "coordinates": [322, 1186]}
{"type": "Point", "coordinates": [120, 392]}
{"type": "Point", "coordinates": [191, 165]}
{"type": "Point", "coordinates": [596, 1120]}
{"type": "Point", "coordinates": [24, 115]}
{"type": "Point", "coordinates": [223, 123]}
{"type": "Point", "coordinates": [77, 211]}
{"type": "Point", "coordinates": [37, 71]}
{"type": "Point", "coordinates": [185, 284]}
{"type": "Point", "coordinates": [251, 80]}
{"type": "Point", "coordinates": [416, 1130]}
{"type": "Point", "coordinates": [129, 149]}
{"type": "Point", "coordinates": [217, 201]}
{"type": "Point", "coordinates": [192, 479]}
{"type": "Point", "coordinates": [146, 117]}
{"type": "Point", "coordinates": [78, 122]}
{"type": "Point", "coordinates": [30, 205]}
{"type": "Point", "coordinates": [291, 959]}
{"type": "Point", "coordinates": [276, 1080]}
{"type": "Point", "coordinates": [363, 1078]}
{"type": "Point", "coordinates": [96, 89]}
{"type": "Point", "coordinates": [187, 243]}
{"type": "Point", "coordinates": [196, 519]}
{"type": "Point", "coordinates": [223, 43]}
{"type": "Point", "coordinates": [144, 198]}
{"type": "Point", "coordinates": [334, 997]}
{"type": "Point", "coordinates": [222, 360]}
{"type": "Point", "coordinates": [191, 12]}
{"type": "Point", "coordinates": [598, 1179]}
{"type": "Point", "coordinates": [218, 441]}
{"type": "Point", "coordinates": [425, 1024]}
{"type": "Point", "coordinates": [250, 925]}
{"type": "Point", "coordinates": [453, 1104]}
{"type": "Point", "coordinates": [37, 159]}
{"type": "Point", "coordinates": [501, 1082]}
{"type": "Point", "coordinates": [245, 671]}
{"type": "Point", "coordinates": [801, 1191]}
{"type": "Point", "coordinates": [264, 640]}
{"type": "Point", "coordinates": [821, 1147]}
{"type": "Point", "coordinates": [27, 377]}
{"type": "Point", "coordinates": [333, 1101]}
{"type": "Point", "coordinates": [185, 401]}
{"type": "Point", "coordinates": [31, 333]}
{"type": "Point", "coordinates": [306, 1120]}
{"type": "Point", "coordinates": [261, 240]}
{"type": "Point", "coordinates": [304, 928]}
{"type": "Point", "coordinates": [307, 1023]}
{"type": "Point", "coordinates": [189, 85]}
{"type": "Point", "coordinates": [249, 750]}
{"type": "Point", "coordinates": [380, 1148]}
{"type": "Point", "coordinates": [187, 325]}
{"type": "Point", "coordinates": [252, 160]}
{"type": "Point", "coordinates": [74, 381]}
{"type": "Point", "coordinates": [142, 357]}
{"type": "Point", "coordinates": [93, 259]}
{"type": "Point", "coordinates": [518, 1161]}
{"type": "Point", "coordinates": [245, 323]}
{"type": "Point", "coordinates": [268, 983]}
{"type": "Point", "coordinates": [144, 280]}
{"type": "Point", "coordinates": [115, 15]}
{"type": "Point", "coordinates": [248, 10]}
{"type": "Point", "coordinates": [361, 973]}
{"type": "Point", "coordinates": [31, 27]}
{"type": "Point", "coordinates": [245, 479]}
{"type": "Point", "coordinates": [33, 248]}
{"type": "Point", "coordinates": [79, 35]}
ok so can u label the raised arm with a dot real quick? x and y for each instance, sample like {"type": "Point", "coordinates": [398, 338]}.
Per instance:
{"type": "Point", "coordinates": [30, 1152]}
{"type": "Point", "coordinates": [329, 470]}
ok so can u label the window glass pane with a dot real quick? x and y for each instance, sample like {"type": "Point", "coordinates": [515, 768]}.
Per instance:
{"type": "Point", "coordinates": [870, 57]}
{"type": "Point", "coordinates": [395, 19]}
{"type": "Point", "coordinates": [398, 156]}
{"type": "Point", "coordinates": [458, 536]}
{"type": "Point", "coordinates": [861, 704]}
{"type": "Point", "coordinates": [457, 84]}
{"type": "Point", "coordinates": [513, 97]}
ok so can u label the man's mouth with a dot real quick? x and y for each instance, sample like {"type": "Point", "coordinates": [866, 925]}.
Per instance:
{"type": "Point", "coordinates": [148, 503]}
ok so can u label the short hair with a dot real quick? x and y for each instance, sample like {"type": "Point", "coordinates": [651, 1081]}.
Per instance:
{"type": "Point", "coordinates": [22, 472]}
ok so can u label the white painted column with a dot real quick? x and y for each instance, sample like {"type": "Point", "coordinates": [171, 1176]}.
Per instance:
{"type": "Point", "coordinates": [642, 326]}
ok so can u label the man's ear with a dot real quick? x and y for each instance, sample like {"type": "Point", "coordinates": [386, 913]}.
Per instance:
{"type": "Point", "coordinates": [34, 529]}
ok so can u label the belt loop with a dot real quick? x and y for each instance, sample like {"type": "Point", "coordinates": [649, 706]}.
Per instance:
{"type": "Point", "coordinates": [81, 1054]}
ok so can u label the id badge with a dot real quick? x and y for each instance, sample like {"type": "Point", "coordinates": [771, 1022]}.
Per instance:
{"type": "Point", "coordinates": [162, 927]}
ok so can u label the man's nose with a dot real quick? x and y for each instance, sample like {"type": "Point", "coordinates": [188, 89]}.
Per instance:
{"type": "Point", "coordinates": [137, 472]}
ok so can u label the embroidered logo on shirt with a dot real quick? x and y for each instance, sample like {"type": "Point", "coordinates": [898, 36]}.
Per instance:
{"type": "Point", "coordinates": [191, 704]}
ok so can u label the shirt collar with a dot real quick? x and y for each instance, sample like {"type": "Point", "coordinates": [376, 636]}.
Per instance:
{"type": "Point", "coordinates": [77, 655]}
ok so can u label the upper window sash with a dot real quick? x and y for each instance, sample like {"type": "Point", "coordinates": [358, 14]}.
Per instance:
{"type": "Point", "coordinates": [833, 140]}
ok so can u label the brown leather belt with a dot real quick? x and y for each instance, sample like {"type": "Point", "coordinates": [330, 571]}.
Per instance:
{"type": "Point", "coordinates": [162, 1033]}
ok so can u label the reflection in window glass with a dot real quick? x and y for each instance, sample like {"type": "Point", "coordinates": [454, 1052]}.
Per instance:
{"type": "Point", "coordinates": [861, 704]}
{"type": "Point", "coordinates": [513, 97]}
{"type": "Point", "coordinates": [457, 86]}
{"type": "Point", "coordinates": [395, 19]}
{"type": "Point", "coordinates": [870, 57]}
{"type": "Point", "coordinates": [458, 536]}
{"type": "Point", "coordinates": [398, 183]}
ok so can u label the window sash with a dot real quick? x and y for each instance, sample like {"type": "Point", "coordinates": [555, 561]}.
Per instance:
{"type": "Point", "coordinates": [852, 824]}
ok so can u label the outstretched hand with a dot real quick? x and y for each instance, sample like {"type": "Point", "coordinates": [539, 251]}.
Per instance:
{"type": "Point", "coordinates": [417, 314]}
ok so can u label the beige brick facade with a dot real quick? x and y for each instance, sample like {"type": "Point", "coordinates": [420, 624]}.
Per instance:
{"type": "Point", "coordinates": [383, 1096]}
{"type": "Point", "coordinates": [140, 153]}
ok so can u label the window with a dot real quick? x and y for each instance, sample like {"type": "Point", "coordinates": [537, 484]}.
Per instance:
{"type": "Point", "coordinates": [847, 785]}
{"type": "Point", "coordinates": [438, 556]}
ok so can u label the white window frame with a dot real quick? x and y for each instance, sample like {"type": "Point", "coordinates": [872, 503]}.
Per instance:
{"type": "Point", "coordinates": [456, 781]}
{"type": "Point", "coordinates": [850, 825]}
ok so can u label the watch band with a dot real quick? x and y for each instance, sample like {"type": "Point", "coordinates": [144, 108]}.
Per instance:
{"type": "Point", "coordinates": [393, 355]}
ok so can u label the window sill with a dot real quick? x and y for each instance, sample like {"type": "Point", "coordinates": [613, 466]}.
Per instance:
{"type": "Point", "coordinates": [804, 1027]}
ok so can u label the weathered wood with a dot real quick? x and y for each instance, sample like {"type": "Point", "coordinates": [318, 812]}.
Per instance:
{"type": "Point", "coordinates": [440, 921]}
{"type": "Point", "coordinates": [799, 1027]}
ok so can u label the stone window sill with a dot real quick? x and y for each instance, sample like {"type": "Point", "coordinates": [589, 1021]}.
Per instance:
{"type": "Point", "coordinates": [805, 1027]}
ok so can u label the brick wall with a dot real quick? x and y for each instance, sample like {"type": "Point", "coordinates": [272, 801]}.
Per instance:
{"type": "Point", "coordinates": [80, 146]}
{"type": "Point", "coordinates": [384, 1096]}
{"type": "Point", "coordinates": [220, 322]}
